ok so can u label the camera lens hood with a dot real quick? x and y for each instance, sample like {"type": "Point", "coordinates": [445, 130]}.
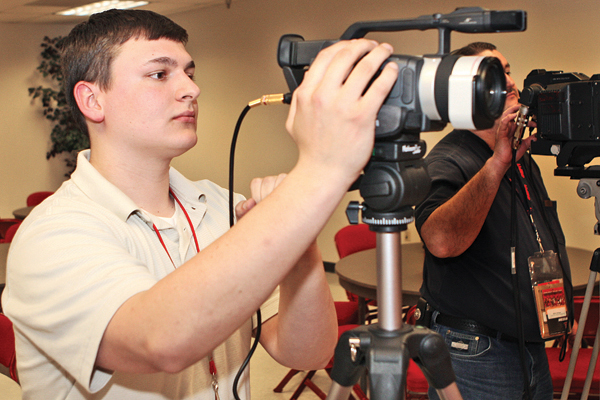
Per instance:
{"type": "Point", "coordinates": [467, 91]}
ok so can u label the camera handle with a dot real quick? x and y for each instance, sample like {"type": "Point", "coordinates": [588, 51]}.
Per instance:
{"type": "Point", "coordinates": [394, 181]}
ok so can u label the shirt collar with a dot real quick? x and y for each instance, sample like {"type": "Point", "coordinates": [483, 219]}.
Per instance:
{"type": "Point", "coordinates": [103, 192]}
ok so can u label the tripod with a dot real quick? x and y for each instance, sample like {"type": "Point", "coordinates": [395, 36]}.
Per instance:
{"type": "Point", "coordinates": [392, 183]}
{"type": "Point", "coordinates": [586, 188]}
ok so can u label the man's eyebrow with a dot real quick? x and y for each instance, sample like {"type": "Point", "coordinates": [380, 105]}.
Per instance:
{"type": "Point", "coordinates": [162, 60]}
{"type": "Point", "coordinates": [170, 62]}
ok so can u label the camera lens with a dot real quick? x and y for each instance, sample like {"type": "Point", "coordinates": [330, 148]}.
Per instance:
{"type": "Point", "coordinates": [467, 91]}
{"type": "Point", "coordinates": [489, 92]}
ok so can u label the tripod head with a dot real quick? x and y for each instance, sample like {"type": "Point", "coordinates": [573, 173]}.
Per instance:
{"type": "Point", "coordinates": [590, 186]}
{"type": "Point", "coordinates": [394, 181]}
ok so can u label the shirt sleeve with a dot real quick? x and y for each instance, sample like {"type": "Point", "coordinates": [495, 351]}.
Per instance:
{"type": "Point", "coordinates": [67, 278]}
{"type": "Point", "coordinates": [446, 180]}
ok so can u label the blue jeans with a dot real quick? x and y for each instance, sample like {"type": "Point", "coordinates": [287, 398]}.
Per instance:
{"type": "Point", "coordinates": [490, 369]}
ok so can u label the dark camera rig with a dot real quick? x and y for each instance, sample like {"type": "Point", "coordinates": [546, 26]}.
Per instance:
{"type": "Point", "coordinates": [567, 111]}
{"type": "Point", "coordinates": [430, 91]}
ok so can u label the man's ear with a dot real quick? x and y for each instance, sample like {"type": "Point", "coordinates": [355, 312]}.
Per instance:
{"type": "Point", "coordinates": [86, 97]}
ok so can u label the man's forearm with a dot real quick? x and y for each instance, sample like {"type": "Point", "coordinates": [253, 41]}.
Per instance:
{"type": "Point", "coordinates": [454, 226]}
{"type": "Point", "coordinates": [305, 332]}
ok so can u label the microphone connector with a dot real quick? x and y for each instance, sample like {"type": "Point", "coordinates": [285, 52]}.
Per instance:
{"type": "Point", "coordinates": [267, 99]}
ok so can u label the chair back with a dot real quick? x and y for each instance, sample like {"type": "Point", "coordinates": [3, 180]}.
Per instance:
{"type": "Point", "coordinates": [36, 198]}
{"type": "Point", "coordinates": [8, 356]}
{"type": "Point", "coordinates": [10, 233]}
{"type": "Point", "coordinates": [593, 317]}
{"type": "Point", "coordinates": [559, 369]}
{"type": "Point", "coordinates": [5, 223]}
{"type": "Point", "coordinates": [354, 238]}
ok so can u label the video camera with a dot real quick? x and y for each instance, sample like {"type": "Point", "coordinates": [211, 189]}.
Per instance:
{"type": "Point", "coordinates": [467, 91]}
{"type": "Point", "coordinates": [430, 91]}
{"type": "Point", "coordinates": [567, 110]}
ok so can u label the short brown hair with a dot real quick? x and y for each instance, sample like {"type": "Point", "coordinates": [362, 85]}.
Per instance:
{"type": "Point", "coordinates": [88, 51]}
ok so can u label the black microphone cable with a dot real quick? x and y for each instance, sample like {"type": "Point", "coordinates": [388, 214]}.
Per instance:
{"type": "Point", "coordinates": [264, 100]}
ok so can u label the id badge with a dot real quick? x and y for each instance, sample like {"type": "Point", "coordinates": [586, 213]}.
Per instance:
{"type": "Point", "coordinates": [549, 293]}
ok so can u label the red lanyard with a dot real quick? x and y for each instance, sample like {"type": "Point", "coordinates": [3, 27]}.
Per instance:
{"type": "Point", "coordinates": [528, 203]}
{"type": "Point", "coordinates": [189, 222]}
{"type": "Point", "coordinates": [211, 363]}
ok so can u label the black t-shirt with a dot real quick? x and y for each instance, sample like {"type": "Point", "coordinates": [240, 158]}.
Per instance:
{"type": "Point", "coordinates": [477, 284]}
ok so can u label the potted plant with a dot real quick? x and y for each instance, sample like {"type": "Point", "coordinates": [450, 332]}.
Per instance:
{"type": "Point", "coordinates": [65, 135]}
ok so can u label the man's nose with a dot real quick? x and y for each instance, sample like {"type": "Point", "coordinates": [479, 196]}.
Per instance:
{"type": "Point", "coordinates": [189, 89]}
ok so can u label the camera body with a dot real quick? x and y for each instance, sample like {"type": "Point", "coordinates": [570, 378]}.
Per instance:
{"type": "Point", "coordinates": [430, 91]}
{"type": "Point", "coordinates": [567, 111]}
{"type": "Point", "coordinates": [566, 104]}
{"type": "Point", "coordinates": [467, 91]}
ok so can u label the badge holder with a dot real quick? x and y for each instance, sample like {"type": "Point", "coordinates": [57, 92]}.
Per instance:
{"type": "Point", "coordinates": [549, 293]}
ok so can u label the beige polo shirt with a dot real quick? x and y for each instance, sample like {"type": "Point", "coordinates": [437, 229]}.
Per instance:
{"type": "Point", "coordinates": [77, 258]}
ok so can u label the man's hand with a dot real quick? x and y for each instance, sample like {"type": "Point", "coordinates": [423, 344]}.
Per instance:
{"type": "Point", "coordinates": [504, 139]}
{"type": "Point", "coordinates": [259, 188]}
{"type": "Point", "coordinates": [332, 114]}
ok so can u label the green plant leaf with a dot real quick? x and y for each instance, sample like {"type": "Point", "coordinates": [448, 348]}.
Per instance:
{"type": "Point", "coordinates": [65, 137]}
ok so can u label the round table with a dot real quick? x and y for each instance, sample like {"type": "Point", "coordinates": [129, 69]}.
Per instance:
{"type": "Point", "coordinates": [580, 260]}
{"type": "Point", "coordinates": [358, 272]}
{"type": "Point", "coordinates": [21, 213]}
{"type": "Point", "coordinates": [10, 389]}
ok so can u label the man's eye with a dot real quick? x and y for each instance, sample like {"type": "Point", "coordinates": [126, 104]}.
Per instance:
{"type": "Point", "coordinates": [159, 75]}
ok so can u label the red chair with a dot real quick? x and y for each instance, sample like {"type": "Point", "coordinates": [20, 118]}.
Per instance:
{"type": "Point", "coordinates": [352, 239]}
{"type": "Point", "coordinates": [5, 224]}
{"type": "Point", "coordinates": [559, 369]}
{"type": "Point", "coordinates": [10, 232]}
{"type": "Point", "coordinates": [7, 347]}
{"type": "Point", "coordinates": [36, 198]}
{"type": "Point", "coordinates": [416, 383]}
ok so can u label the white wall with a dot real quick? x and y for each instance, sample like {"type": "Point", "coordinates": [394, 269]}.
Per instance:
{"type": "Point", "coordinates": [235, 51]}
{"type": "Point", "coordinates": [24, 133]}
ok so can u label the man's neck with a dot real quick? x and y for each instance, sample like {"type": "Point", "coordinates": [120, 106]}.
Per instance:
{"type": "Point", "coordinates": [143, 179]}
{"type": "Point", "coordinates": [488, 135]}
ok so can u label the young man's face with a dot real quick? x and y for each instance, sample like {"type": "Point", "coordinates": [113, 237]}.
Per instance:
{"type": "Point", "coordinates": [512, 93]}
{"type": "Point", "coordinates": [151, 105]}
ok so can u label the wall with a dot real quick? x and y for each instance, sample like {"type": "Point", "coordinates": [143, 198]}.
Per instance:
{"type": "Point", "coordinates": [235, 51]}
{"type": "Point", "coordinates": [24, 133]}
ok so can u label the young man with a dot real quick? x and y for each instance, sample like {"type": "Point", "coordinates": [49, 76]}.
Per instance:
{"type": "Point", "coordinates": [465, 225]}
{"type": "Point", "coordinates": [128, 282]}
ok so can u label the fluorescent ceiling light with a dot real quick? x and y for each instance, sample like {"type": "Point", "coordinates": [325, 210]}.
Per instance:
{"type": "Point", "coordinates": [100, 6]}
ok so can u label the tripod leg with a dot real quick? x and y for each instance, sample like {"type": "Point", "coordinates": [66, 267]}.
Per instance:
{"type": "Point", "coordinates": [592, 367]}
{"type": "Point", "coordinates": [339, 392]}
{"type": "Point", "coordinates": [577, 344]}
